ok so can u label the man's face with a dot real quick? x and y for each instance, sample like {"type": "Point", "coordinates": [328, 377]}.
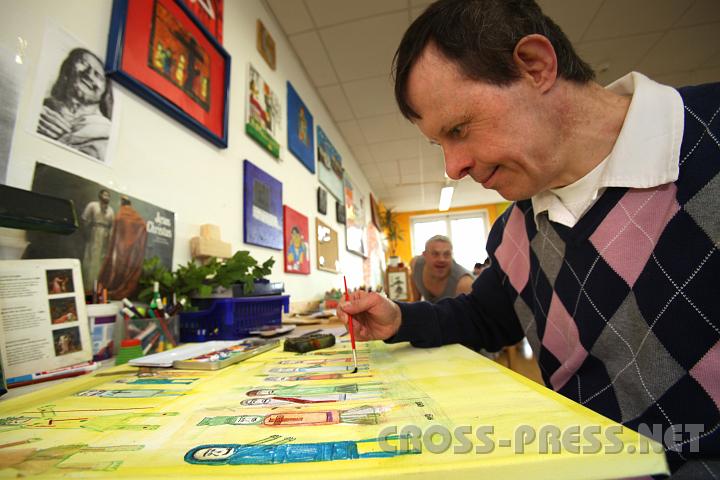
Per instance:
{"type": "Point", "coordinates": [104, 197]}
{"type": "Point", "coordinates": [88, 82]}
{"type": "Point", "coordinates": [499, 136]}
{"type": "Point", "coordinates": [438, 256]}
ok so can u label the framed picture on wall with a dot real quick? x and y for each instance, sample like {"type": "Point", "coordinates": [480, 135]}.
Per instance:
{"type": "Point", "coordinates": [340, 213]}
{"type": "Point", "coordinates": [321, 200]}
{"type": "Point", "coordinates": [301, 141]}
{"type": "Point", "coordinates": [160, 52]}
{"type": "Point", "coordinates": [398, 286]}
{"type": "Point", "coordinates": [266, 44]}
{"type": "Point", "coordinates": [330, 170]}
{"type": "Point", "coordinates": [375, 212]}
{"type": "Point", "coordinates": [262, 208]}
{"type": "Point", "coordinates": [355, 227]}
{"type": "Point", "coordinates": [328, 253]}
{"type": "Point", "coordinates": [263, 113]}
{"type": "Point", "coordinates": [210, 14]}
{"type": "Point", "coordinates": [297, 250]}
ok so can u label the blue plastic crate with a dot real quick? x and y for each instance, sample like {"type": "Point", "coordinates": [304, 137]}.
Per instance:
{"type": "Point", "coordinates": [231, 318]}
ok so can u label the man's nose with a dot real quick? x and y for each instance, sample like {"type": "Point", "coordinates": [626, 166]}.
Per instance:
{"type": "Point", "coordinates": [457, 162]}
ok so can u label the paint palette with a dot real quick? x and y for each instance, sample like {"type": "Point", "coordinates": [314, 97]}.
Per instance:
{"type": "Point", "coordinates": [211, 355]}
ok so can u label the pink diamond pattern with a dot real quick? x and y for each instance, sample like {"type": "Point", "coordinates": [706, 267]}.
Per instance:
{"type": "Point", "coordinates": [563, 341]}
{"type": "Point", "coordinates": [707, 373]}
{"type": "Point", "coordinates": [628, 234]}
{"type": "Point", "coordinates": [513, 254]}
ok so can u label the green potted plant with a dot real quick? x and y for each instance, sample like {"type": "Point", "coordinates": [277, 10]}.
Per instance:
{"type": "Point", "coordinates": [193, 280]}
{"type": "Point", "coordinates": [389, 223]}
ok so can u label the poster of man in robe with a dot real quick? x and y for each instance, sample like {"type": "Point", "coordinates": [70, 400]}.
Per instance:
{"type": "Point", "coordinates": [117, 232]}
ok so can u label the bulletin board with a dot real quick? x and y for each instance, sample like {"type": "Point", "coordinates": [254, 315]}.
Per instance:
{"type": "Point", "coordinates": [328, 254]}
{"type": "Point", "coordinates": [289, 415]}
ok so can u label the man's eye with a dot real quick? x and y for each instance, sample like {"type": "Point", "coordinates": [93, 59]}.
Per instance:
{"type": "Point", "coordinates": [455, 132]}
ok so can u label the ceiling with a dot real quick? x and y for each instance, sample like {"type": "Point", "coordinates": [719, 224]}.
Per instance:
{"type": "Point", "coordinates": [347, 46]}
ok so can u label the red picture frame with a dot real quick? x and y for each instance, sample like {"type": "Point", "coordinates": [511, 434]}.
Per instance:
{"type": "Point", "coordinates": [161, 52]}
{"type": "Point", "coordinates": [297, 246]}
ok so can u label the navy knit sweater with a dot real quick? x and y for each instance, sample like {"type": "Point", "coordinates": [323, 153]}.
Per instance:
{"type": "Point", "coordinates": [623, 309]}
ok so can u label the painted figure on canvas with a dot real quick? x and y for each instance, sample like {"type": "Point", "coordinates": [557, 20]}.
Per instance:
{"type": "Point", "coordinates": [281, 451]}
{"type": "Point", "coordinates": [297, 251]}
{"type": "Point", "coordinates": [38, 461]}
{"type": "Point", "coordinates": [179, 57]}
{"type": "Point", "coordinates": [302, 133]}
{"type": "Point", "coordinates": [364, 415]}
{"type": "Point", "coordinates": [98, 423]}
{"type": "Point", "coordinates": [78, 111]}
{"type": "Point", "coordinates": [97, 220]}
{"type": "Point", "coordinates": [297, 390]}
{"type": "Point", "coordinates": [120, 272]}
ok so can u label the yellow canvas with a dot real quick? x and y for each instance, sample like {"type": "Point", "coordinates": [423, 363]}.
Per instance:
{"type": "Point", "coordinates": [420, 413]}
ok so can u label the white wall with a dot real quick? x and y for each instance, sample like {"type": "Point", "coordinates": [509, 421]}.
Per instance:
{"type": "Point", "coordinates": [160, 161]}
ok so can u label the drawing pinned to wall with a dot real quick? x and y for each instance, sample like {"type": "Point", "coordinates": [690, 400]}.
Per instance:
{"type": "Point", "coordinates": [266, 45]}
{"type": "Point", "coordinates": [12, 77]}
{"type": "Point", "coordinates": [374, 263]}
{"type": "Point", "coordinates": [262, 208]}
{"type": "Point", "coordinates": [160, 51]}
{"type": "Point", "coordinates": [321, 200]}
{"type": "Point", "coordinates": [117, 232]}
{"type": "Point", "coordinates": [330, 170]}
{"type": "Point", "coordinates": [263, 113]}
{"type": "Point", "coordinates": [73, 102]}
{"type": "Point", "coordinates": [328, 255]}
{"type": "Point", "coordinates": [301, 141]}
{"type": "Point", "coordinates": [355, 227]}
{"type": "Point", "coordinates": [210, 14]}
{"type": "Point", "coordinates": [297, 249]}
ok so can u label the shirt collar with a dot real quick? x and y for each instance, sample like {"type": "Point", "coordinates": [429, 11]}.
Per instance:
{"type": "Point", "coordinates": [647, 151]}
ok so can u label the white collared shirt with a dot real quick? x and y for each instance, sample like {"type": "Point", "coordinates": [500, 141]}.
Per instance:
{"type": "Point", "coordinates": [646, 153]}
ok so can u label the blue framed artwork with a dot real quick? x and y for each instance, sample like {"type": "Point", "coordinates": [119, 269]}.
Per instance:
{"type": "Point", "coordinates": [300, 129]}
{"type": "Point", "coordinates": [262, 208]}
{"type": "Point", "coordinates": [162, 53]}
{"type": "Point", "coordinates": [330, 170]}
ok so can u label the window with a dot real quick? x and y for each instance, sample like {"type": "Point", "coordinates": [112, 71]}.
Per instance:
{"type": "Point", "coordinates": [467, 231]}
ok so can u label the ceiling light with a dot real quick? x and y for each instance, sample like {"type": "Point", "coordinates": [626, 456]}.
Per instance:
{"type": "Point", "coordinates": [445, 198]}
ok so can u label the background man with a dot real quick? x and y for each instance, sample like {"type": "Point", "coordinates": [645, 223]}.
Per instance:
{"type": "Point", "coordinates": [78, 111]}
{"type": "Point", "coordinates": [608, 260]}
{"type": "Point", "coordinates": [436, 275]}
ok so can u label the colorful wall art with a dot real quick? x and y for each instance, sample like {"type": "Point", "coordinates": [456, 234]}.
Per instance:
{"type": "Point", "coordinates": [262, 208]}
{"type": "Point", "coordinates": [297, 248]}
{"type": "Point", "coordinates": [263, 113]}
{"type": "Point", "coordinates": [301, 141]}
{"type": "Point", "coordinates": [330, 170]}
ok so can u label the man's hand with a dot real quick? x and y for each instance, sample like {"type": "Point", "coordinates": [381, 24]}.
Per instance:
{"type": "Point", "coordinates": [52, 124]}
{"type": "Point", "coordinates": [374, 316]}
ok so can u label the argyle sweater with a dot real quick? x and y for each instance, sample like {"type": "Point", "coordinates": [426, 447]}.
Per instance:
{"type": "Point", "coordinates": [623, 309]}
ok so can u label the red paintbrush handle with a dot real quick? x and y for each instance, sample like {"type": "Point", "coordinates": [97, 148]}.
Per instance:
{"type": "Point", "coordinates": [350, 320]}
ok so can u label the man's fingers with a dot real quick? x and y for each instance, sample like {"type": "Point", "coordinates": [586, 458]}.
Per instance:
{"type": "Point", "coordinates": [358, 304]}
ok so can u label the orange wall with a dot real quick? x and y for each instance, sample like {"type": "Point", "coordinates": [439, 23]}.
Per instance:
{"type": "Point", "coordinates": [404, 247]}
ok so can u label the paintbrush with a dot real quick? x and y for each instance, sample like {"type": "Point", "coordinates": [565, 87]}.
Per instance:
{"type": "Point", "coordinates": [351, 330]}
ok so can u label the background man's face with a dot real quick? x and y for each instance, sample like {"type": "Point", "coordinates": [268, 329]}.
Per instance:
{"type": "Point", "coordinates": [88, 82]}
{"type": "Point", "coordinates": [104, 197]}
{"type": "Point", "coordinates": [438, 256]}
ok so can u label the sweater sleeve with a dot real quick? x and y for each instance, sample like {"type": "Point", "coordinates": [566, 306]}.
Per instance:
{"type": "Point", "coordinates": [485, 318]}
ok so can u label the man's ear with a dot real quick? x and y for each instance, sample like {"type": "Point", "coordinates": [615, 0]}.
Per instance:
{"type": "Point", "coordinates": [536, 60]}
